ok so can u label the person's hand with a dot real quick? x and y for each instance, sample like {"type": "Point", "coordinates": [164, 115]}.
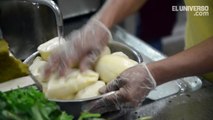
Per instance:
{"type": "Point", "coordinates": [131, 88]}
{"type": "Point", "coordinates": [81, 49]}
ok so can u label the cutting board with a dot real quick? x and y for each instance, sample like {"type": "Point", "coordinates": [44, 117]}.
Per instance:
{"type": "Point", "coordinates": [15, 83]}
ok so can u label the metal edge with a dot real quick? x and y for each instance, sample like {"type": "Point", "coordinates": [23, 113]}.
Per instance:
{"type": "Point", "coordinates": [137, 53]}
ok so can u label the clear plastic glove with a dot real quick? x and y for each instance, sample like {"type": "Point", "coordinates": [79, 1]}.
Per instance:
{"type": "Point", "coordinates": [131, 88]}
{"type": "Point", "coordinates": [81, 49]}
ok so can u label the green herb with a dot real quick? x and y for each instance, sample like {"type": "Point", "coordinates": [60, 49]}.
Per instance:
{"type": "Point", "coordinates": [85, 116]}
{"type": "Point", "coordinates": [29, 104]}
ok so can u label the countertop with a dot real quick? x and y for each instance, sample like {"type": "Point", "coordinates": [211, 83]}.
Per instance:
{"type": "Point", "coordinates": [185, 106]}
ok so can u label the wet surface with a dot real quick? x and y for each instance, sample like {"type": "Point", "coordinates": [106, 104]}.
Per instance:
{"type": "Point", "coordinates": [185, 106]}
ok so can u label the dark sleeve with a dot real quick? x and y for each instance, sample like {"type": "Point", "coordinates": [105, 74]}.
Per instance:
{"type": "Point", "coordinates": [157, 19]}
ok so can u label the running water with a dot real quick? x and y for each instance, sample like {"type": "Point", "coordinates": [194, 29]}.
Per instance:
{"type": "Point", "coordinates": [60, 31]}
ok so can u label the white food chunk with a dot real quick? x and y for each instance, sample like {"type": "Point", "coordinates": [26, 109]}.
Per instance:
{"type": "Point", "coordinates": [90, 91]}
{"type": "Point", "coordinates": [121, 54]}
{"type": "Point", "coordinates": [48, 47]}
{"type": "Point", "coordinates": [61, 88]}
{"type": "Point", "coordinates": [37, 68]}
{"type": "Point", "coordinates": [110, 66]}
{"type": "Point", "coordinates": [106, 51]}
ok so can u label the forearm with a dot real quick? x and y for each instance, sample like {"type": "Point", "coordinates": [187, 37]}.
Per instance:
{"type": "Point", "coordinates": [114, 11]}
{"type": "Point", "coordinates": [194, 61]}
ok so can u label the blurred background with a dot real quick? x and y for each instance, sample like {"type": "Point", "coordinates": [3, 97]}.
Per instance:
{"type": "Point", "coordinates": [159, 26]}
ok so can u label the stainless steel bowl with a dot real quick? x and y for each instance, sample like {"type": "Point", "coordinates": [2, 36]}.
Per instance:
{"type": "Point", "coordinates": [75, 107]}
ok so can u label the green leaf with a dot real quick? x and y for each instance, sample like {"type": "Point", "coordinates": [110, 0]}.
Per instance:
{"type": "Point", "coordinates": [87, 115]}
{"type": "Point", "coordinates": [29, 104]}
{"type": "Point", "coordinates": [64, 116]}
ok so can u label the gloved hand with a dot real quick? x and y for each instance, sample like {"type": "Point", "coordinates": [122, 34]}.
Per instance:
{"type": "Point", "coordinates": [81, 49]}
{"type": "Point", "coordinates": [131, 88]}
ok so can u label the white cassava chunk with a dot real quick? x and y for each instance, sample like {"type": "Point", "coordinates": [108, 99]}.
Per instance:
{"type": "Point", "coordinates": [90, 91]}
{"type": "Point", "coordinates": [121, 54]}
{"type": "Point", "coordinates": [48, 47]}
{"type": "Point", "coordinates": [66, 87]}
{"type": "Point", "coordinates": [37, 68]}
{"type": "Point", "coordinates": [110, 66]}
{"type": "Point", "coordinates": [106, 51]}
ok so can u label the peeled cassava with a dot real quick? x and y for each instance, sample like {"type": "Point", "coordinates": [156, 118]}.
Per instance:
{"type": "Point", "coordinates": [77, 85]}
{"type": "Point", "coordinates": [90, 91]}
{"type": "Point", "coordinates": [106, 51]}
{"type": "Point", "coordinates": [37, 68]}
{"type": "Point", "coordinates": [110, 66]}
{"type": "Point", "coordinates": [48, 47]}
{"type": "Point", "coordinates": [66, 87]}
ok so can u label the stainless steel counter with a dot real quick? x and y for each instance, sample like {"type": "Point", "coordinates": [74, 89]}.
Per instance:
{"type": "Point", "coordinates": [187, 106]}
{"type": "Point", "coordinates": [149, 53]}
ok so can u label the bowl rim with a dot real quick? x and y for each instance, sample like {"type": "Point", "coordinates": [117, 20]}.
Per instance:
{"type": "Point", "coordinates": [137, 53]}
{"type": "Point", "coordinates": [29, 59]}
{"type": "Point", "coordinates": [83, 99]}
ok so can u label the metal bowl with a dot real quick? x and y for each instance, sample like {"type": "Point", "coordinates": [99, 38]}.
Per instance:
{"type": "Point", "coordinates": [75, 107]}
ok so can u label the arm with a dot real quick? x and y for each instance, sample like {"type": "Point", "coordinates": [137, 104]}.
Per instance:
{"type": "Point", "coordinates": [194, 61]}
{"type": "Point", "coordinates": [114, 11]}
